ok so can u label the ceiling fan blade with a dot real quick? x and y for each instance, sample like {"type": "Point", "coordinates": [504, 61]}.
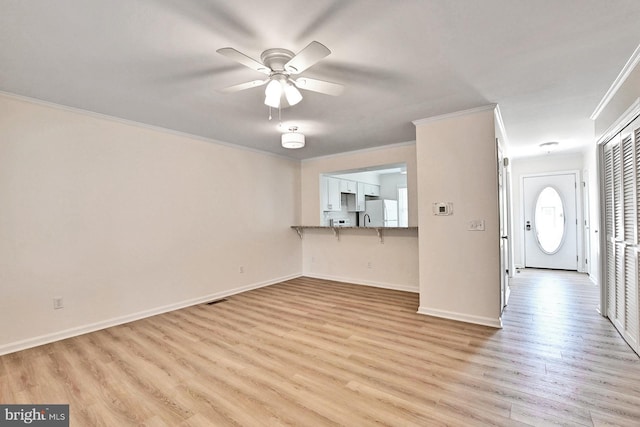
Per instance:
{"type": "Point", "coordinates": [308, 56]}
{"type": "Point", "coordinates": [243, 86]}
{"type": "Point", "coordinates": [240, 57]}
{"type": "Point", "coordinates": [320, 86]}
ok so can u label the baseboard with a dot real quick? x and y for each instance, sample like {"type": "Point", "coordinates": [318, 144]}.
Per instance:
{"type": "Point", "coordinates": [80, 330]}
{"type": "Point", "coordinates": [467, 318]}
{"type": "Point", "coordinates": [395, 287]}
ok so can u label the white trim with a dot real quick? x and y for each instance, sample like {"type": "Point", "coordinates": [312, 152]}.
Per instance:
{"type": "Point", "coordinates": [139, 124]}
{"type": "Point", "coordinates": [454, 114]}
{"type": "Point", "coordinates": [80, 330]}
{"type": "Point", "coordinates": [579, 215]}
{"type": "Point", "coordinates": [602, 235]}
{"type": "Point", "coordinates": [585, 225]}
{"type": "Point", "coordinates": [619, 81]}
{"type": "Point", "coordinates": [503, 130]}
{"type": "Point", "coordinates": [461, 317]}
{"type": "Point", "coordinates": [414, 289]}
{"type": "Point", "coordinates": [361, 151]}
{"type": "Point", "coordinates": [627, 117]}
{"type": "Point", "coordinates": [189, 135]}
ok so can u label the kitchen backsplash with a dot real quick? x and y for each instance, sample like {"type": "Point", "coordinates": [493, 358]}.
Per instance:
{"type": "Point", "coordinates": [342, 215]}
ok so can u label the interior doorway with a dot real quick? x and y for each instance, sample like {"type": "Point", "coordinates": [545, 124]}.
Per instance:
{"type": "Point", "coordinates": [586, 222]}
{"type": "Point", "coordinates": [550, 221]}
{"type": "Point", "coordinates": [504, 201]}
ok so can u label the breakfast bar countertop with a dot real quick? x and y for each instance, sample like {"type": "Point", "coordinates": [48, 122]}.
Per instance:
{"type": "Point", "coordinates": [336, 229]}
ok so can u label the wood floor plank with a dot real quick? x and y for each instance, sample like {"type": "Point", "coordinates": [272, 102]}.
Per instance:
{"type": "Point", "coordinates": [315, 352]}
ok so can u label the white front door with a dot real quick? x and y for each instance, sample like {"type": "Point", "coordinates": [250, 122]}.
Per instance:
{"type": "Point", "coordinates": [550, 221]}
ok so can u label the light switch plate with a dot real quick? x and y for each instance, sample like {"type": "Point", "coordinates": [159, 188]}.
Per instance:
{"type": "Point", "coordinates": [476, 225]}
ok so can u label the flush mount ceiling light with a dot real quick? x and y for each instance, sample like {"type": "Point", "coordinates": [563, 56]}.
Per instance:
{"type": "Point", "coordinates": [548, 147]}
{"type": "Point", "coordinates": [292, 139]}
{"type": "Point", "coordinates": [280, 65]}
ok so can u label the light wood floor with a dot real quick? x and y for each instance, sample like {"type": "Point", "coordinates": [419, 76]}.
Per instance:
{"type": "Point", "coordinates": [309, 352]}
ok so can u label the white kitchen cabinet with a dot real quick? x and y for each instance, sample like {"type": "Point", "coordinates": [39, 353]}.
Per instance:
{"type": "Point", "coordinates": [356, 204]}
{"type": "Point", "coordinates": [331, 196]}
{"type": "Point", "coordinates": [371, 190]}
{"type": "Point", "coordinates": [348, 186]}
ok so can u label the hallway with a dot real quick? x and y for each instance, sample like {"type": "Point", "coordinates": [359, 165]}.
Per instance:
{"type": "Point", "coordinates": [552, 317]}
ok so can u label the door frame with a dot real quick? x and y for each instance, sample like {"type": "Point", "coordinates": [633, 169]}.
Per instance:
{"type": "Point", "coordinates": [586, 222]}
{"type": "Point", "coordinates": [579, 214]}
{"type": "Point", "coordinates": [506, 235]}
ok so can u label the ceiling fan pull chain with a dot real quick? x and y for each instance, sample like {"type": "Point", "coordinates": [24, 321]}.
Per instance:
{"type": "Point", "coordinates": [269, 113]}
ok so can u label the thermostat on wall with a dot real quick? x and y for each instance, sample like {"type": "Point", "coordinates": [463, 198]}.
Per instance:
{"type": "Point", "coordinates": [443, 208]}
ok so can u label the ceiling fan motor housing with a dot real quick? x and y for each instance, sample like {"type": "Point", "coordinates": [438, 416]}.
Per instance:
{"type": "Point", "coordinates": [276, 58]}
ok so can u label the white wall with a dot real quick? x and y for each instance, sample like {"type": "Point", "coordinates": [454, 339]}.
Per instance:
{"type": "Point", "coordinates": [358, 256]}
{"type": "Point", "coordinates": [459, 269]}
{"type": "Point", "coordinates": [390, 154]}
{"type": "Point", "coordinates": [368, 177]}
{"type": "Point", "coordinates": [124, 221]}
{"type": "Point", "coordinates": [537, 165]}
{"type": "Point", "coordinates": [389, 184]}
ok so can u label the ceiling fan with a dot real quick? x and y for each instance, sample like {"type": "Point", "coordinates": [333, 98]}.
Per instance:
{"type": "Point", "coordinates": [280, 65]}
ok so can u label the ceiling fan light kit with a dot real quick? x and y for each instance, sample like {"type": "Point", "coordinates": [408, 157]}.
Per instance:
{"type": "Point", "coordinates": [278, 87]}
{"type": "Point", "coordinates": [282, 90]}
{"type": "Point", "coordinates": [292, 139]}
{"type": "Point", "coordinates": [280, 64]}
{"type": "Point", "coordinates": [292, 94]}
{"type": "Point", "coordinates": [272, 94]}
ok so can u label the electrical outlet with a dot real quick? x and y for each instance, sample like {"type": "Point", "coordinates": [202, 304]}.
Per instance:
{"type": "Point", "coordinates": [241, 270]}
{"type": "Point", "coordinates": [369, 265]}
{"type": "Point", "coordinates": [58, 303]}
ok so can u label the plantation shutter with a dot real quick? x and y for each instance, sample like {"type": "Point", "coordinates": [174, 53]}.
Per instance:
{"type": "Point", "coordinates": [609, 230]}
{"type": "Point", "coordinates": [621, 167]}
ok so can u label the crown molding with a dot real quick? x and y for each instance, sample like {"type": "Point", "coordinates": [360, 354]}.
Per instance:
{"type": "Point", "coordinates": [454, 114]}
{"type": "Point", "coordinates": [627, 117]}
{"type": "Point", "coordinates": [617, 83]}
{"type": "Point", "coordinates": [155, 128]}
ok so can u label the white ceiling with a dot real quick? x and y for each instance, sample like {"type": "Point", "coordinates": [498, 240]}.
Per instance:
{"type": "Point", "coordinates": [547, 63]}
